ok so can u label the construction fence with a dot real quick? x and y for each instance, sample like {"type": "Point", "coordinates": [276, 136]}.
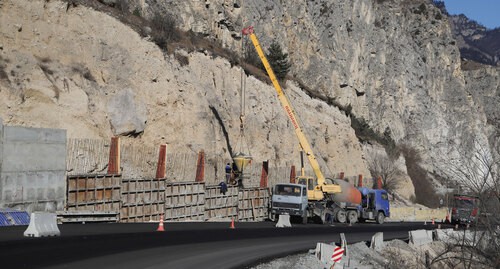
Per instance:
{"type": "Point", "coordinates": [143, 200]}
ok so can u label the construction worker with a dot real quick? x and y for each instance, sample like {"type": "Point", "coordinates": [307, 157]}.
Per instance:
{"type": "Point", "coordinates": [229, 171]}
{"type": "Point", "coordinates": [223, 187]}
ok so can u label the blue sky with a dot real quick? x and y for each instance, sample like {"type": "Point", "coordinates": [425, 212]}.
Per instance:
{"type": "Point", "coordinates": [486, 12]}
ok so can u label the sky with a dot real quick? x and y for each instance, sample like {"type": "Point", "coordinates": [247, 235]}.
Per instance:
{"type": "Point", "coordinates": [486, 12]}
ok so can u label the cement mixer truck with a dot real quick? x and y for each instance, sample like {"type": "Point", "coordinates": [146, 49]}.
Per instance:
{"type": "Point", "coordinates": [351, 205]}
{"type": "Point", "coordinates": [327, 199]}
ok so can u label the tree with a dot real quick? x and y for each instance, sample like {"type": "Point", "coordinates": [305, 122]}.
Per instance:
{"type": "Point", "coordinates": [278, 60]}
{"type": "Point", "coordinates": [478, 172]}
{"type": "Point", "coordinates": [380, 165]}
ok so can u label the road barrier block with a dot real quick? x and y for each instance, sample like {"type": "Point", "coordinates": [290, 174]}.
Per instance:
{"type": "Point", "coordinates": [324, 253]}
{"type": "Point", "coordinates": [284, 221]}
{"type": "Point", "coordinates": [42, 224]}
{"type": "Point", "coordinates": [420, 237]}
{"type": "Point", "coordinates": [377, 242]}
{"type": "Point", "coordinates": [443, 234]}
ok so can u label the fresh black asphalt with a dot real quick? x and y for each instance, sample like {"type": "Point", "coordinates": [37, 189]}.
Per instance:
{"type": "Point", "coordinates": [181, 245]}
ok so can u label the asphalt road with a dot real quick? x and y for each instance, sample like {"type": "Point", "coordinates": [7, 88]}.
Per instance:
{"type": "Point", "coordinates": [182, 245]}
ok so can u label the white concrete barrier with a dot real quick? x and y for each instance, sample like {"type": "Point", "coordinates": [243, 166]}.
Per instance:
{"type": "Point", "coordinates": [420, 237]}
{"type": "Point", "coordinates": [42, 224]}
{"type": "Point", "coordinates": [377, 242]}
{"type": "Point", "coordinates": [443, 234]}
{"type": "Point", "coordinates": [324, 253]}
{"type": "Point", "coordinates": [284, 221]}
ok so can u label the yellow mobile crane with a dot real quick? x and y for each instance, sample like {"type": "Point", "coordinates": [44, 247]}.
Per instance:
{"type": "Point", "coordinates": [319, 188]}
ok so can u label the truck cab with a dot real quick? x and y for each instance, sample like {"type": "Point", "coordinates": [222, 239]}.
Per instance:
{"type": "Point", "coordinates": [465, 209]}
{"type": "Point", "coordinates": [289, 199]}
{"type": "Point", "coordinates": [375, 204]}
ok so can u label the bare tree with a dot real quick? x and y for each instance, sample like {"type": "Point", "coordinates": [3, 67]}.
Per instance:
{"type": "Point", "coordinates": [380, 165]}
{"type": "Point", "coordinates": [477, 173]}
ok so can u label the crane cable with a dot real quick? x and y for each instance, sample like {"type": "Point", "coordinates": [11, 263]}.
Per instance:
{"type": "Point", "coordinates": [242, 142]}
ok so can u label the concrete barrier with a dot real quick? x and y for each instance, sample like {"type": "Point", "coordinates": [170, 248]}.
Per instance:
{"type": "Point", "coordinates": [420, 237]}
{"type": "Point", "coordinates": [377, 242]}
{"type": "Point", "coordinates": [324, 253]}
{"type": "Point", "coordinates": [417, 214]}
{"type": "Point", "coordinates": [284, 221]}
{"type": "Point", "coordinates": [42, 224]}
{"type": "Point", "coordinates": [443, 234]}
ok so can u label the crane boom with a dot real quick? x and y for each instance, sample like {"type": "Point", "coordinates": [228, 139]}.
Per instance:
{"type": "Point", "coordinates": [304, 144]}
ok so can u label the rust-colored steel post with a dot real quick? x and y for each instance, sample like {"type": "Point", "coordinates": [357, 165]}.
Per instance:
{"type": "Point", "coordinates": [264, 176]}
{"type": "Point", "coordinates": [293, 174]}
{"type": "Point", "coordinates": [200, 167]}
{"type": "Point", "coordinates": [161, 168]}
{"type": "Point", "coordinates": [114, 156]}
{"type": "Point", "coordinates": [360, 180]}
{"type": "Point", "coordinates": [379, 182]}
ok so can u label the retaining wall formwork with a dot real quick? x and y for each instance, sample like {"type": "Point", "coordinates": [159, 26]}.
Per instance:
{"type": "Point", "coordinates": [144, 200]}
{"type": "Point", "coordinates": [94, 193]}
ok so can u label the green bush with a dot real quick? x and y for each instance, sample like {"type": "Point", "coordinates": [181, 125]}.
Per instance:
{"type": "Point", "coordinates": [164, 29]}
{"type": "Point", "coordinates": [137, 12]}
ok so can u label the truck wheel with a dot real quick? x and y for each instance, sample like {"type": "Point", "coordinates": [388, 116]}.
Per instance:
{"type": "Point", "coordinates": [380, 218]}
{"type": "Point", "coordinates": [341, 216]}
{"type": "Point", "coordinates": [352, 216]}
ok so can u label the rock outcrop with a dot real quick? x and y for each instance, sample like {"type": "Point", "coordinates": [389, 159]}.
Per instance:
{"type": "Point", "coordinates": [395, 63]}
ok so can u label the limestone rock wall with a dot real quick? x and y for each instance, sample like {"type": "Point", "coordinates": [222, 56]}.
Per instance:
{"type": "Point", "coordinates": [395, 62]}
{"type": "Point", "coordinates": [82, 70]}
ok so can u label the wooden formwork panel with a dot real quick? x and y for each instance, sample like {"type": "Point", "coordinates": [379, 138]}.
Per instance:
{"type": "Point", "coordinates": [140, 191]}
{"type": "Point", "coordinates": [253, 204]}
{"type": "Point", "coordinates": [142, 199]}
{"type": "Point", "coordinates": [181, 213]}
{"type": "Point", "coordinates": [219, 205]}
{"type": "Point", "coordinates": [141, 213]}
{"type": "Point", "coordinates": [185, 201]}
{"type": "Point", "coordinates": [93, 192]}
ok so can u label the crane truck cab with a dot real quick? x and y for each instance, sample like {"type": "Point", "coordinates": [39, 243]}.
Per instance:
{"type": "Point", "coordinates": [289, 199]}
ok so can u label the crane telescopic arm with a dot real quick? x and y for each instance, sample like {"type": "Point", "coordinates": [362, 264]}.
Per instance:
{"type": "Point", "coordinates": [304, 144]}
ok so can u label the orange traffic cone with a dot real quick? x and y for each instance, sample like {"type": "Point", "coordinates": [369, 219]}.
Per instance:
{"type": "Point", "coordinates": [160, 225]}
{"type": "Point", "coordinates": [232, 223]}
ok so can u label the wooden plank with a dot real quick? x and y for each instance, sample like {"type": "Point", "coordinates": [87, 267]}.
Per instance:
{"type": "Point", "coordinates": [253, 210]}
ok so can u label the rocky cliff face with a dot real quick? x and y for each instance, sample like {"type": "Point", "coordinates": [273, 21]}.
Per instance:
{"type": "Point", "coordinates": [71, 67]}
{"type": "Point", "coordinates": [396, 63]}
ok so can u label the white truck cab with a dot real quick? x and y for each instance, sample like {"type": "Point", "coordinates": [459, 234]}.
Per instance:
{"type": "Point", "coordinates": [289, 199]}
